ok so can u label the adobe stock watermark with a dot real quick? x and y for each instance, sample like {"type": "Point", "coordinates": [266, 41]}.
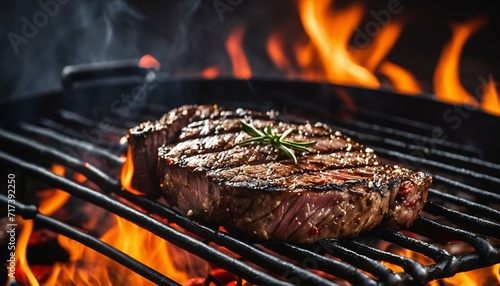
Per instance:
{"type": "Point", "coordinates": [309, 262]}
{"type": "Point", "coordinates": [380, 19]}
{"type": "Point", "coordinates": [11, 226]}
{"type": "Point", "coordinates": [223, 6]}
{"type": "Point", "coordinates": [39, 19]}
{"type": "Point", "coordinates": [121, 109]}
{"type": "Point", "coordinates": [453, 117]}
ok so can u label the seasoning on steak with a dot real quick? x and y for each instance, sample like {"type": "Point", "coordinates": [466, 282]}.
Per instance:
{"type": "Point", "coordinates": [338, 190]}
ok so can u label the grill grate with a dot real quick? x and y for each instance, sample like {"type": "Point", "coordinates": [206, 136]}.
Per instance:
{"type": "Point", "coordinates": [447, 161]}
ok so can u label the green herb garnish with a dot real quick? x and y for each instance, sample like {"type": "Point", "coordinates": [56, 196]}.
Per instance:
{"type": "Point", "coordinates": [267, 136]}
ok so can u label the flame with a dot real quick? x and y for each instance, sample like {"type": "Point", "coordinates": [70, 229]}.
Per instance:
{"type": "Point", "coordinates": [371, 56]}
{"type": "Point", "coordinates": [128, 172]}
{"type": "Point", "coordinates": [21, 245]}
{"type": "Point", "coordinates": [330, 32]}
{"type": "Point", "coordinates": [447, 86]}
{"type": "Point", "coordinates": [276, 54]}
{"type": "Point", "coordinates": [88, 267]}
{"type": "Point", "coordinates": [328, 56]}
{"type": "Point", "coordinates": [234, 47]}
{"type": "Point", "coordinates": [210, 72]}
{"type": "Point", "coordinates": [483, 276]}
{"type": "Point", "coordinates": [402, 80]}
{"type": "Point", "coordinates": [47, 207]}
{"type": "Point", "coordinates": [491, 98]}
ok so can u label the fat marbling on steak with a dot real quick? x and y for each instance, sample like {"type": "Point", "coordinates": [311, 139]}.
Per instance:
{"type": "Point", "coordinates": [339, 189]}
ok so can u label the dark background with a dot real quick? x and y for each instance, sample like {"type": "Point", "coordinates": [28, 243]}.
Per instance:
{"type": "Point", "coordinates": [188, 35]}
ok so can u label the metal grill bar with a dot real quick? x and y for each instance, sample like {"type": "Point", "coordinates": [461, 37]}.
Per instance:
{"type": "Point", "coordinates": [368, 128]}
{"type": "Point", "coordinates": [236, 245]}
{"type": "Point", "coordinates": [239, 246]}
{"type": "Point", "coordinates": [437, 165]}
{"type": "Point", "coordinates": [432, 153]}
{"type": "Point", "coordinates": [416, 270]}
{"type": "Point", "coordinates": [346, 254]}
{"type": "Point", "coordinates": [431, 228]}
{"type": "Point", "coordinates": [429, 250]}
{"type": "Point", "coordinates": [471, 223]}
{"type": "Point", "coordinates": [146, 113]}
{"type": "Point", "coordinates": [367, 258]}
{"type": "Point", "coordinates": [72, 133]}
{"type": "Point", "coordinates": [87, 147]}
{"type": "Point", "coordinates": [154, 226]}
{"type": "Point", "coordinates": [469, 261]}
{"type": "Point", "coordinates": [486, 195]}
{"type": "Point", "coordinates": [84, 122]}
{"type": "Point", "coordinates": [91, 172]}
{"type": "Point", "coordinates": [392, 120]}
{"type": "Point", "coordinates": [483, 210]}
{"type": "Point", "coordinates": [313, 259]}
{"type": "Point", "coordinates": [31, 212]}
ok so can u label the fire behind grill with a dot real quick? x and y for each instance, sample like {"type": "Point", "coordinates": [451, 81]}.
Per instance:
{"type": "Point", "coordinates": [462, 206]}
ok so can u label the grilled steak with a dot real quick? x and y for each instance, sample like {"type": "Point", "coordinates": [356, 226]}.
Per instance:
{"type": "Point", "coordinates": [338, 190]}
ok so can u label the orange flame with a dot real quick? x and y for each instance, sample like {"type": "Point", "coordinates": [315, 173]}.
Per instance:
{"type": "Point", "coordinates": [483, 276]}
{"type": "Point", "coordinates": [329, 32]}
{"type": "Point", "coordinates": [491, 98]}
{"type": "Point", "coordinates": [88, 267]}
{"type": "Point", "coordinates": [234, 47]}
{"type": "Point", "coordinates": [128, 172]}
{"type": "Point", "coordinates": [371, 56]}
{"type": "Point", "coordinates": [402, 80]}
{"type": "Point", "coordinates": [276, 54]}
{"type": "Point", "coordinates": [47, 207]}
{"type": "Point", "coordinates": [306, 58]}
{"type": "Point", "coordinates": [447, 86]}
{"type": "Point", "coordinates": [21, 245]}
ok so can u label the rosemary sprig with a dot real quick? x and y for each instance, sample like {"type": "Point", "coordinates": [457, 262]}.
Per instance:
{"type": "Point", "coordinates": [268, 136]}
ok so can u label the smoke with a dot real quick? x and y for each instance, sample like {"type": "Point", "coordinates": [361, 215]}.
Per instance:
{"type": "Point", "coordinates": [186, 36]}
{"type": "Point", "coordinates": [44, 38]}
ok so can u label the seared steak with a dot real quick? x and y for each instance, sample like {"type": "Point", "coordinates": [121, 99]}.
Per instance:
{"type": "Point", "coordinates": [338, 190]}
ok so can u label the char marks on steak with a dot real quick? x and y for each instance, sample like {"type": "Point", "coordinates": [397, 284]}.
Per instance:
{"type": "Point", "coordinates": [338, 190]}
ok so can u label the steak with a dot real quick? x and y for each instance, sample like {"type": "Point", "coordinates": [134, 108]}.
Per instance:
{"type": "Point", "coordinates": [338, 190]}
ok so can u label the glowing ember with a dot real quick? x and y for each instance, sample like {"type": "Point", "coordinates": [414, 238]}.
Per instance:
{"type": "Point", "coordinates": [210, 72]}
{"type": "Point", "coordinates": [447, 86]}
{"type": "Point", "coordinates": [234, 47]}
{"type": "Point", "coordinates": [148, 61]}
{"type": "Point", "coordinates": [329, 32]}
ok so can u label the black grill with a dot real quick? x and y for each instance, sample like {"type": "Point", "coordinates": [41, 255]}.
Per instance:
{"type": "Point", "coordinates": [462, 206]}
